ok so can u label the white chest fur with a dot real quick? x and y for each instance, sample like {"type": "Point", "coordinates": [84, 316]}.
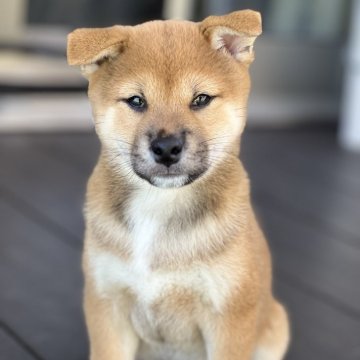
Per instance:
{"type": "Point", "coordinates": [111, 274]}
{"type": "Point", "coordinates": [161, 314]}
{"type": "Point", "coordinates": [207, 284]}
{"type": "Point", "coordinates": [148, 211]}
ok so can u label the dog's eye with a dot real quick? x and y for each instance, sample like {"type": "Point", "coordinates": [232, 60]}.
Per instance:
{"type": "Point", "coordinates": [137, 103]}
{"type": "Point", "coordinates": [200, 101]}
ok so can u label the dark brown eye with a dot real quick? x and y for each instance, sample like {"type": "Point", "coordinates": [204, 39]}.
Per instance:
{"type": "Point", "coordinates": [137, 103]}
{"type": "Point", "coordinates": [200, 101]}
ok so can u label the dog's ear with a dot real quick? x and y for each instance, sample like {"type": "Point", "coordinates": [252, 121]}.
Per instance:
{"type": "Point", "coordinates": [90, 47]}
{"type": "Point", "coordinates": [234, 33]}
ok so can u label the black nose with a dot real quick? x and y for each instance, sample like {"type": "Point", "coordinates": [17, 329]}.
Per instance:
{"type": "Point", "coordinates": [167, 150]}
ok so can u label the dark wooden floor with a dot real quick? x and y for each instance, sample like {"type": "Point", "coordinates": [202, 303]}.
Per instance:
{"type": "Point", "coordinates": [306, 191]}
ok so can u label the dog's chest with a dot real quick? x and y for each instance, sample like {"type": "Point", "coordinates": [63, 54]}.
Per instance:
{"type": "Point", "coordinates": [164, 305]}
{"type": "Point", "coordinates": [160, 301]}
{"type": "Point", "coordinates": [200, 281]}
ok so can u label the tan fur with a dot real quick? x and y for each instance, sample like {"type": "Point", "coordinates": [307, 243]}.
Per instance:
{"type": "Point", "coordinates": [87, 46]}
{"type": "Point", "coordinates": [181, 273]}
{"type": "Point", "coordinates": [246, 21]}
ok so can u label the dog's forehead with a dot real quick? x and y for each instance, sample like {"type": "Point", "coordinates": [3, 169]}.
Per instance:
{"type": "Point", "coordinates": [171, 59]}
{"type": "Point", "coordinates": [166, 35]}
{"type": "Point", "coordinates": [170, 52]}
{"type": "Point", "coordinates": [172, 44]}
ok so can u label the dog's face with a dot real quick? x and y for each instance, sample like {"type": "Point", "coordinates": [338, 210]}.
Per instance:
{"type": "Point", "coordinates": [168, 97]}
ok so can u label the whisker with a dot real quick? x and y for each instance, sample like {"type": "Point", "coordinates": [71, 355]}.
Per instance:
{"type": "Point", "coordinates": [215, 138]}
{"type": "Point", "coordinates": [119, 140]}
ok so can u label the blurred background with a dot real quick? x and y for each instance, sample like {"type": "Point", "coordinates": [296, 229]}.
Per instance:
{"type": "Point", "coordinates": [301, 148]}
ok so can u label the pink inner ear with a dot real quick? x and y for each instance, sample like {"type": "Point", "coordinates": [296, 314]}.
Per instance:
{"type": "Point", "coordinates": [232, 43]}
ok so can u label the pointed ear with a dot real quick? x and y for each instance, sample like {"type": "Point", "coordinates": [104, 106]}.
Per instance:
{"type": "Point", "coordinates": [234, 34]}
{"type": "Point", "coordinates": [90, 47]}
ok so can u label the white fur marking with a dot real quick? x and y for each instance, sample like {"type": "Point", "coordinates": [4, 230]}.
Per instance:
{"type": "Point", "coordinates": [219, 150]}
{"type": "Point", "coordinates": [148, 210]}
{"type": "Point", "coordinates": [170, 182]}
{"type": "Point", "coordinates": [88, 69]}
{"type": "Point", "coordinates": [111, 275]}
{"type": "Point", "coordinates": [263, 353]}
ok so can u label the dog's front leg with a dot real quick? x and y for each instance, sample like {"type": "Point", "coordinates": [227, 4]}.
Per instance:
{"type": "Point", "coordinates": [230, 336]}
{"type": "Point", "coordinates": [110, 331]}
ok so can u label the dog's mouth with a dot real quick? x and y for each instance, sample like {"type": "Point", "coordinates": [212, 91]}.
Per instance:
{"type": "Point", "coordinates": [169, 180]}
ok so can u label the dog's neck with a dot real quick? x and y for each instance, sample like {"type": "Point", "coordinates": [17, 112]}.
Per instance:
{"type": "Point", "coordinates": [183, 223]}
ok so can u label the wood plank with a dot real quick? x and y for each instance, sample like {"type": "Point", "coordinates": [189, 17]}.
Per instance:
{"type": "Point", "coordinates": [332, 203]}
{"type": "Point", "coordinates": [317, 155]}
{"type": "Point", "coordinates": [11, 350]}
{"type": "Point", "coordinates": [79, 150]}
{"type": "Point", "coordinates": [42, 302]}
{"type": "Point", "coordinates": [319, 149]}
{"type": "Point", "coordinates": [318, 330]}
{"type": "Point", "coordinates": [333, 214]}
{"type": "Point", "coordinates": [319, 260]}
{"type": "Point", "coordinates": [314, 229]}
{"type": "Point", "coordinates": [34, 179]}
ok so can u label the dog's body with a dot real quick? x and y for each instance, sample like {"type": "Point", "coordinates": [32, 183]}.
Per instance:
{"type": "Point", "coordinates": [175, 264]}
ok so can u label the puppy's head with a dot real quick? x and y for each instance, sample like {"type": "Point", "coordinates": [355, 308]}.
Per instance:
{"type": "Point", "coordinates": [168, 97]}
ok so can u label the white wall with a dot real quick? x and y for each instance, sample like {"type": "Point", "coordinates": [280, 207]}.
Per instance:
{"type": "Point", "coordinates": [12, 18]}
{"type": "Point", "coordinates": [349, 134]}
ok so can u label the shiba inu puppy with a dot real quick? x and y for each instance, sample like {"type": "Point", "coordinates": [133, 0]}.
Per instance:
{"type": "Point", "coordinates": [176, 267]}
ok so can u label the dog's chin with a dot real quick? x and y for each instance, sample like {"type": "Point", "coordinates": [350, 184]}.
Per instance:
{"type": "Point", "coordinates": [169, 181]}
